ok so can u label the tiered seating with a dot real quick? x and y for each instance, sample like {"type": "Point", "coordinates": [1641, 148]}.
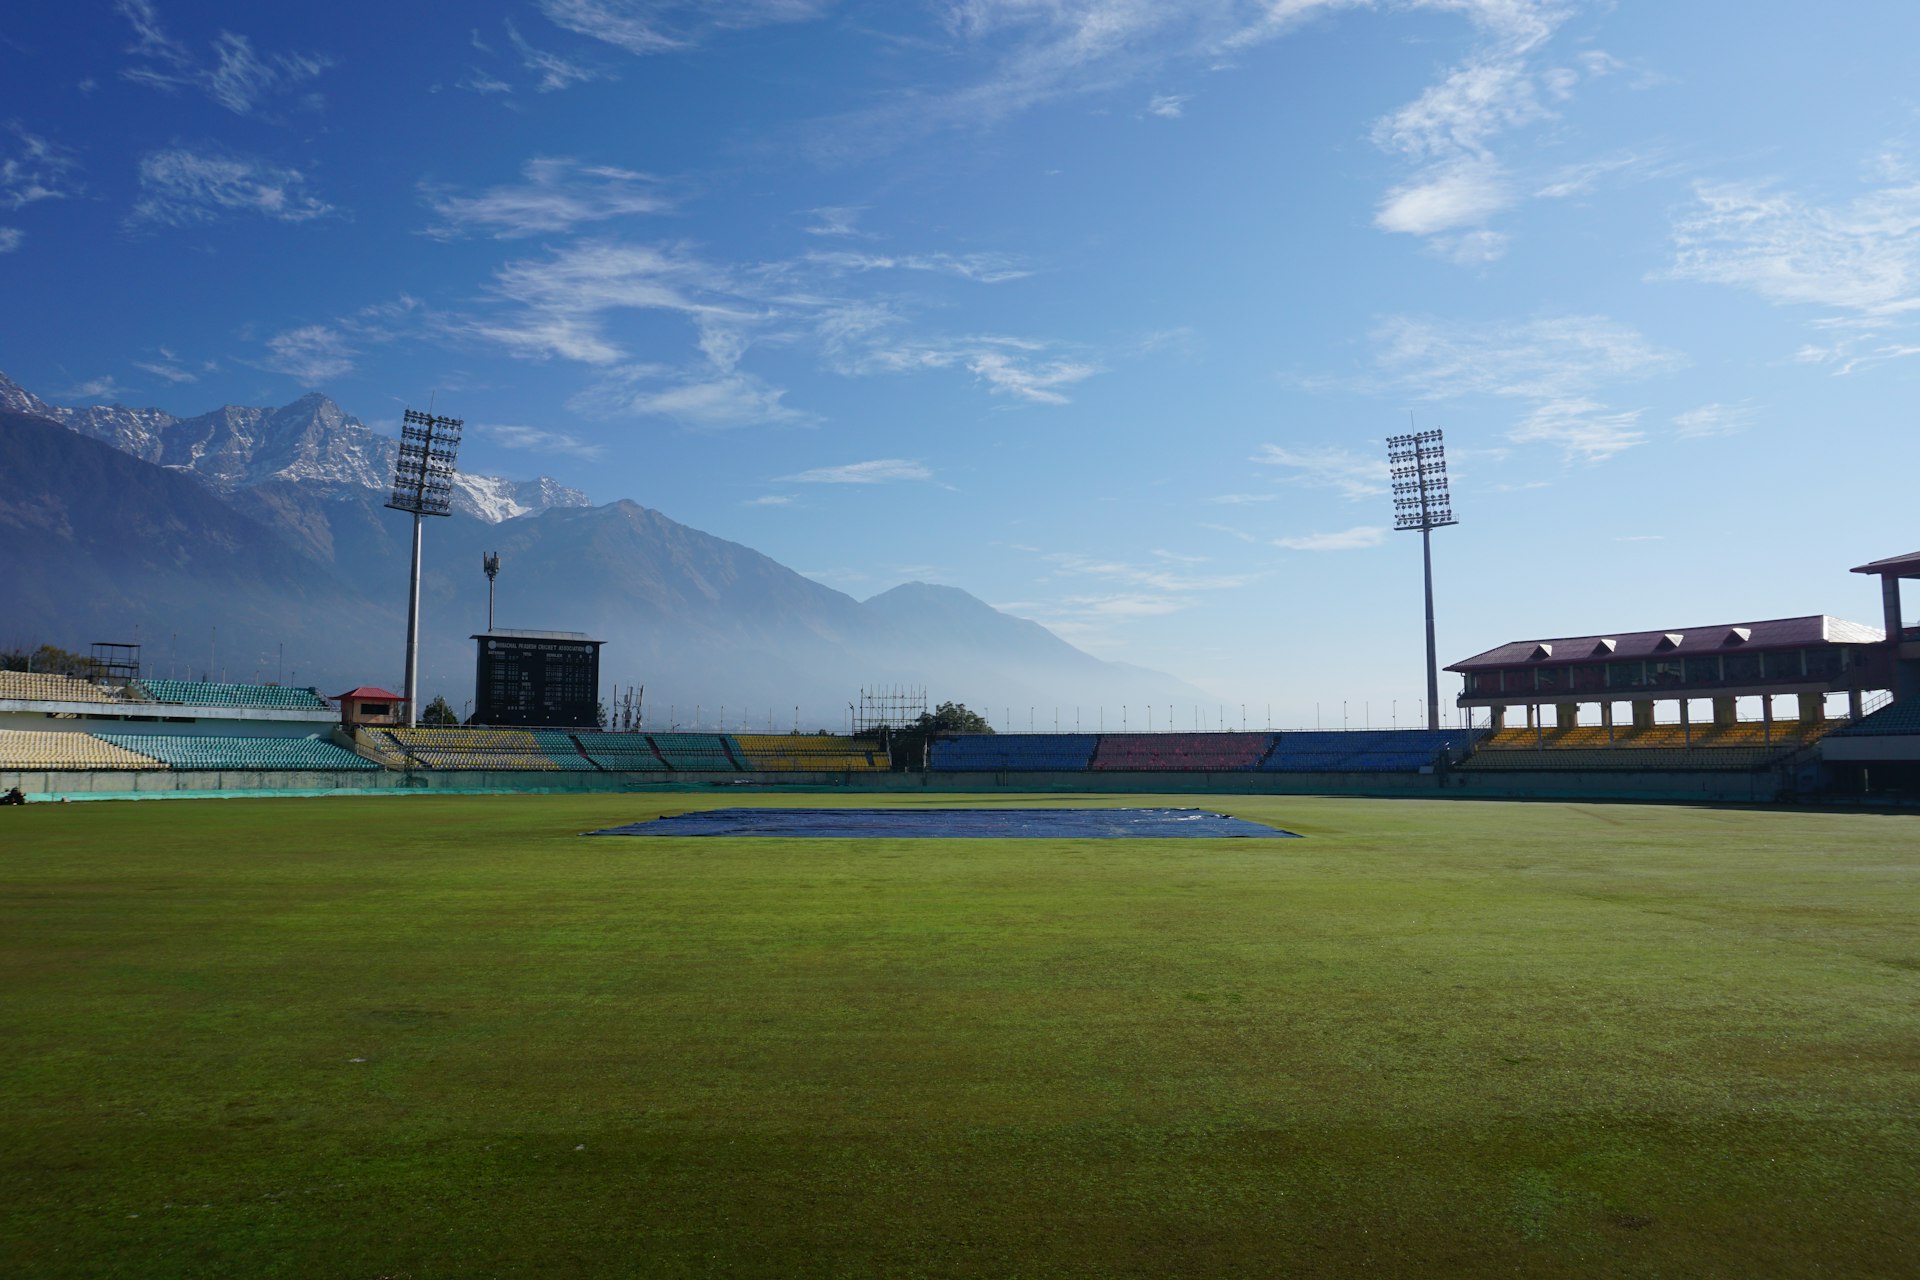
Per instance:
{"type": "Point", "coordinates": [621, 752]}
{"type": "Point", "coordinates": [194, 751]}
{"type": "Point", "coordinates": [38, 686]}
{"type": "Point", "coordinates": [558, 746]}
{"type": "Point", "coordinates": [812, 753]}
{"type": "Point", "coordinates": [201, 693]}
{"type": "Point", "coordinates": [1898, 718]}
{"type": "Point", "coordinates": [698, 752]}
{"type": "Point", "coordinates": [1014, 752]}
{"type": "Point", "coordinates": [33, 750]}
{"type": "Point", "coordinates": [1663, 737]}
{"type": "Point", "coordinates": [1564, 759]}
{"type": "Point", "coordinates": [462, 748]}
{"type": "Point", "coordinates": [1362, 750]}
{"type": "Point", "coordinates": [1182, 751]}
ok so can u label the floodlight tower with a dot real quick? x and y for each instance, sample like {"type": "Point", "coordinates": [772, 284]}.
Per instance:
{"type": "Point", "coordinates": [1421, 501]}
{"type": "Point", "coordinates": [491, 563]}
{"type": "Point", "coordinates": [422, 486]}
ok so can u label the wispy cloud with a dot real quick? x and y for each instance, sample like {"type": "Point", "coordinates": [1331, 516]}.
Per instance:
{"type": "Point", "coordinates": [1243, 499]}
{"type": "Point", "coordinates": [559, 194]}
{"type": "Point", "coordinates": [1582, 429]}
{"type": "Point", "coordinates": [555, 72]}
{"type": "Point", "coordinates": [876, 471]}
{"type": "Point", "coordinates": [1354, 476]}
{"type": "Point", "coordinates": [94, 389]}
{"type": "Point", "coordinates": [702, 400]}
{"type": "Point", "coordinates": [1713, 420]}
{"type": "Point", "coordinates": [771, 500]}
{"type": "Point", "coordinates": [181, 186]}
{"type": "Point", "coordinates": [657, 26]}
{"type": "Point", "coordinates": [838, 220]}
{"type": "Point", "coordinates": [1168, 106]}
{"type": "Point", "coordinates": [1558, 363]}
{"type": "Point", "coordinates": [33, 169]}
{"type": "Point", "coordinates": [312, 353]}
{"type": "Point", "coordinates": [1861, 257]}
{"type": "Point", "coordinates": [167, 368]}
{"type": "Point", "coordinates": [1022, 368]}
{"type": "Point", "coordinates": [986, 268]}
{"type": "Point", "coordinates": [1357, 538]}
{"type": "Point", "coordinates": [11, 238]}
{"type": "Point", "coordinates": [539, 440]}
{"type": "Point", "coordinates": [1161, 576]}
{"type": "Point", "coordinates": [235, 76]}
{"type": "Point", "coordinates": [1545, 358]}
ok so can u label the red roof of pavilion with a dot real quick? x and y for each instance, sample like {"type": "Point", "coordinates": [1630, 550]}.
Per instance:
{"type": "Point", "coordinates": [370, 693]}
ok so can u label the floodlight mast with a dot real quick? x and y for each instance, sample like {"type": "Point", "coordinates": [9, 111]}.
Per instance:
{"type": "Point", "coordinates": [1421, 501]}
{"type": "Point", "coordinates": [422, 486]}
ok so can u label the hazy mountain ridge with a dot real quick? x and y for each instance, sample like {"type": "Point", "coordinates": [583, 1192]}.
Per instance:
{"type": "Point", "coordinates": [303, 569]}
{"type": "Point", "coordinates": [311, 442]}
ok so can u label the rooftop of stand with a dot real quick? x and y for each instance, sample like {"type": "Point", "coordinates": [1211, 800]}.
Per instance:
{"type": "Point", "coordinates": [1907, 566]}
{"type": "Point", "coordinates": [1812, 631]}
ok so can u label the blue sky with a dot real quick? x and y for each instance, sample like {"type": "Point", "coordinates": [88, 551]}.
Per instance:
{"type": "Point", "coordinates": [1100, 309]}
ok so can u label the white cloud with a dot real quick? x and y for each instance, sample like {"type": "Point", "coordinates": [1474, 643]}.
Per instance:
{"type": "Point", "coordinates": [986, 268]}
{"type": "Point", "coordinates": [1168, 106]}
{"type": "Point", "coordinates": [1243, 499]}
{"type": "Point", "coordinates": [33, 169]}
{"type": "Point", "coordinates": [1711, 420]}
{"type": "Point", "coordinates": [1009, 366]}
{"type": "Point", "coordinates": [1355, 539]}
{"type": "Point", "coordinates": [876, 471]}
{"type": "Point", "coordinates": [1546, 358]}
{"type": "Point", "coordinates": [1463, 193]}
{"type": "Point", "coordinates": [1582, 429]}
{"type": "Point", "coordinates": [656, 26]}
{"type": "Point", "coordinates": [555, 72]}
{"type": "Point", "coordinates": [771, 500]}
{"type": "Point", "coordinates": [181, 187]}
{"type": "Point", "coordinates": [312, 353]}
{"type": "Point", "coordinates": [168, 370]}
{"type": "Point", "coordinates": [539, 440]}
{"type": "Point", "coordinates": [697, 399]}
{"type": "Point", "coordinates": [1353, 476]}
{"type": "Point", "coordinates": [558, 195]}
{"type": "Point", "coordinates": [1861, 257]}
{"type": "Point", "coordinates": [94, 389]}
{"type": "Point", "coordinates": [1159, 577]}
{"type": "Point", "coordinates": [10, 238]}
{"type": "Point", "coordinates": [237, 78]}
{"type": "Point", "coordinates": [837, 220]}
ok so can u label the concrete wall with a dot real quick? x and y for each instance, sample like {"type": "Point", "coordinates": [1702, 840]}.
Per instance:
{"type": "Point", "coordinates": [1741, 788]}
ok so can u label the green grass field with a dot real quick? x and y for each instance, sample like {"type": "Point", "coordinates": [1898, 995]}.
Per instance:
{"type": "Point", "coordinates": [445, 1037]}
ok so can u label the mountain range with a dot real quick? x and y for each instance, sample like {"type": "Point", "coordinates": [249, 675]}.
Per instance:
{"type": "Point", "coordinates": [252, 543]}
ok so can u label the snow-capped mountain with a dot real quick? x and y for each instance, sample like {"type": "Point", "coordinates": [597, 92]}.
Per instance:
{"type": "Point", "coordinates": [312, 443]}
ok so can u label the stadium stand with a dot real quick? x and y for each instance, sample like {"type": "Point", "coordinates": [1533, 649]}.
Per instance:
{"type": "Point", "coordinates": [1013, 752]}
{"type": "Point", "coordinates": [462, 748]}
{"type": "Point", "coordinates": [1603, 759]}
{"type": "Point", "coordinates": [621, 752]}
{"type": "Point", "coordinates": [1363, 750]}
{"type": "Point", "coordinates": [38, 686]}
{"type": "Point", "coordinates": [1182, 751]}
{"type": "Point", "coordinates": [1899, 718]}
{"type": "Point", "coordinates": [559, 746]}
{"type": "Point", "coordinates": [811, 753]}
{"type": "Point", "coordinates": [1784, 734]}
{"type": "Point", "coordinates": [696, 752]}
{"type": "Point", "coordinates": [200, 693]}
{"type": "Point", "coordinates": [28, 749]}
{"type": "Point", "coordinates": [221, 751]}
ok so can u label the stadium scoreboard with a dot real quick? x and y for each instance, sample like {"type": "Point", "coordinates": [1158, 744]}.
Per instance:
{"type": "Point", "coordinates": [537, 678]}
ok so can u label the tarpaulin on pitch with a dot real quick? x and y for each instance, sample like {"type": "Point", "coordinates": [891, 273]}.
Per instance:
{"type": "Point", "coordinates": [956, 824]}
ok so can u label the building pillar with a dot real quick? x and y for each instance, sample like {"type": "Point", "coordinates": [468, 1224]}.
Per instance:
{"type": "Point", "coordinates": [1890, 606]}
{"type": "Point", "coordinates": [1766, 718]}
{"type": "Point", "coordinates": [1643, 713]}
{"type": "Point", "coordinates": [1566, 715]}
{"type": "Point", "coordinates": [1606, 718]}
{"type": "Point", "coordinates": [1813, 709]}
{"type": "Point", "coordinates": [1724, 713]}
{"type": "Point", "coordinates": [1539, 723]}
{"type": "Point", "coordinates": [1853, 704]}
{"type": "Point", "coordinates": [1686, 721]}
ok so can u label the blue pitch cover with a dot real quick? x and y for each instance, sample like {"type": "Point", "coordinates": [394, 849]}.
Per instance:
{"type": "Point", "coordinates": [956, 824]}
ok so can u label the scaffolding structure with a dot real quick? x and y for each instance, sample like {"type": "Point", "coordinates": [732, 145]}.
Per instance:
{"type": "Point", "coordinates": [890, 707]}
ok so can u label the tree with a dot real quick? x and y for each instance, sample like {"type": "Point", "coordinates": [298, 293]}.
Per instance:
{"type": "Point", "coordinates": [439, 712]}
{"type": "Point", "coordinates": [954, 717]}
{"type": "Point", "coordinates": [49, 660]}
